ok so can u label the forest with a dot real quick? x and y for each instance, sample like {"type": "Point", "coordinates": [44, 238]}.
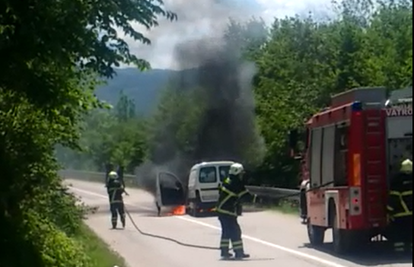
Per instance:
{"type": "Point", "coordinates": [256, 85]}
{"type": "Point", "coordinates": [299, 62]}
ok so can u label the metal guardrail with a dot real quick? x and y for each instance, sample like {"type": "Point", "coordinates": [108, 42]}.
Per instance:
{"type": "Point", "coordinates": [261, 191]}
{"type": "Point", "coordinates": [275, 192]}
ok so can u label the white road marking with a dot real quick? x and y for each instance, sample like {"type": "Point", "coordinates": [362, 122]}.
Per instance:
{"type": "Point", "coordinates": [254, 239]}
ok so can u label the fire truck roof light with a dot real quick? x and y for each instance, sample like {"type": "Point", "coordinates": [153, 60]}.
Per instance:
{"type": "Point", "coordinates": [356, 106]}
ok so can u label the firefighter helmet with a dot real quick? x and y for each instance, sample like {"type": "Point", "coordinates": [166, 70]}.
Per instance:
{"type": "Point", "coordinates": [113, 175]}
{"type": "Point", "coordinates": [236, 169]}
{"type": "Point", "coordinates": [407, 166]}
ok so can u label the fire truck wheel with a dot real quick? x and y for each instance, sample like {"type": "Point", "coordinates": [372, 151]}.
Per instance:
{"type": "Point", "coordinates": [316, 234]}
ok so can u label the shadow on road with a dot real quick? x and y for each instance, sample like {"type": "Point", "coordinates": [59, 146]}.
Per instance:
{"type": "Point", "coordinates": [379, 253]}
{"type": "Point", "coordinates": [249, 259]}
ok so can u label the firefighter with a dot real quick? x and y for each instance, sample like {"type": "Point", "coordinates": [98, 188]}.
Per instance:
{"type": "Point", "coordinates": [232, 192]}
{"type": "Point", "coordinates": [400, 207]}
{"type": "Point", "coordinates": [115, 190]}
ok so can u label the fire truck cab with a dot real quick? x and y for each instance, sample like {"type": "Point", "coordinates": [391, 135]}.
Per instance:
{"type": "Point", "coordinates": [352, 149]}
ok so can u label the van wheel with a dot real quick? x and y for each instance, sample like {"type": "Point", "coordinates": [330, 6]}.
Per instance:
{"type": "Point", "coordinates": [316, 234]}
{"type": "Point", "coordinates": [193, 211]}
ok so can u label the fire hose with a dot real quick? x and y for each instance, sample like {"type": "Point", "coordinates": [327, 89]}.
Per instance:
{"type": "Point", "coordinates": [201, 246]}
{"type": "Point", "coordinates": [166, 238]}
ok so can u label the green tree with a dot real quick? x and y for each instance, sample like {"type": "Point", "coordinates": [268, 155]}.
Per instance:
{"type": "Point", "coordinates": [125, 108]}
{"type": "Point", "coordinates": [52, 54]}
{"type": "Point", "coordinates": [115, 135]}
{"type": "Point", "coordinates": [304, 62]}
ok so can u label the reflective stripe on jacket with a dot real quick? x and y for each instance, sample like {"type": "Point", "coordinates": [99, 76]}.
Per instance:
{"type": "Point", "coordinates": [400, 196]}
{"type": "Point", "coordinates": [231, 192]}
{"type": "Point", "coordinates": [115, 191]}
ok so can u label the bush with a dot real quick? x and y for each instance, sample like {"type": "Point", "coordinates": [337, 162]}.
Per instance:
{"type": "Point", "coordinates": [45, 89]}
{"type": "Point", "coordinates": [37, 214]}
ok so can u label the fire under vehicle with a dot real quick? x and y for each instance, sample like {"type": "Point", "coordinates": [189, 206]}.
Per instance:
{"type": "Point", "coordinates": [352, 150]}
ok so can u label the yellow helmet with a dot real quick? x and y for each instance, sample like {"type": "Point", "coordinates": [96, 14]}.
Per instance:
{"type": "Point", "coordinates": [407, 166]}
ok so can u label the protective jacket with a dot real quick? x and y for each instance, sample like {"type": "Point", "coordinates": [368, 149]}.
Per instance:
{"type": "Point", "coordinates": [115, 190]}
{"type": "Point", "coordinates": [231, 193]}
{"type": "Point", "coordinates": [400, 203]}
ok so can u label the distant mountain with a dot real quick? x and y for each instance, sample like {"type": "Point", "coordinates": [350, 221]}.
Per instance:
{"type": "Point", "coordinates": [143, 87]}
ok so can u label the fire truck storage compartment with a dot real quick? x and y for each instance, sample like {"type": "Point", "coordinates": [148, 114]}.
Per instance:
{"type": "Point", "coordinates": [328, 154]}
{"type": "Point", "coordinates": [341, 154]}
{"type": "Point", "coordinates": [316, 157]}
{"type": "Point", "coordinates": [328, 166]}
{"type": "Point", "coordinates": [329, 146]}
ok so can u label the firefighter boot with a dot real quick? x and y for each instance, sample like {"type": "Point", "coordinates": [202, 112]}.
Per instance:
{"type": "Point", "coordinates": [114, 222]}
{"type": "Point", "coordinates": [225, 254]}
{"type": "Point", "coordinates": [241, 255]}
{"type": "Point", "coordinates": [224, 248]}
{"type": "Point", "coordinates": [123, 221]}
{"type": "Point", "coordinates": [239, 251]}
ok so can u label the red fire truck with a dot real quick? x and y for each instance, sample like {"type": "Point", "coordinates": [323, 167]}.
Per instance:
{"type": "Point", "coordinates": [352, 149]}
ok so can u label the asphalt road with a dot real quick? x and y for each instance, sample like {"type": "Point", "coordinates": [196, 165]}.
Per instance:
{"type": "Point", "coordinates": [271, 238]}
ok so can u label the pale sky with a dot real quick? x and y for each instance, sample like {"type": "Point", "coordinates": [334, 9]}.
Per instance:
{"type": "Point", "coordinates": [206, 19]}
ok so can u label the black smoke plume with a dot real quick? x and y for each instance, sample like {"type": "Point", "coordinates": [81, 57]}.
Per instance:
{"type": "Point", "coordinates": [214, 68]}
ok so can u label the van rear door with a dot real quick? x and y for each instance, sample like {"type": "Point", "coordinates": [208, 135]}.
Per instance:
{"type": "Point", "coordinates": [208, 183]}
{"type": "Point", "coordinates": [169, 190]}
{"type": "Point", "coordinates": [210, 178]}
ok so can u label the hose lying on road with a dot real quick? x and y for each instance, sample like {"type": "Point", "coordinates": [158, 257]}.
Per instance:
{"type": "Point", "coordinates": [200, 246]}
{"type": "Point", "coordinates": [166, 238]}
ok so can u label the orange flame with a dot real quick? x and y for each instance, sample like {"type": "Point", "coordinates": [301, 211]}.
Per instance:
{"type": "Point", "coordinates": [179, 210]}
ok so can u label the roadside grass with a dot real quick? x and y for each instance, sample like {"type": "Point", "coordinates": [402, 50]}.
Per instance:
{"type": "Point", "coordinates": [99, 252]}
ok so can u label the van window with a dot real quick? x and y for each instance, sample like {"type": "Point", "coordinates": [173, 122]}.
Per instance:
{"type": "Point", "coordinates": [224, 172]}
{"type": "Point", "coordinates": [208, 175]}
